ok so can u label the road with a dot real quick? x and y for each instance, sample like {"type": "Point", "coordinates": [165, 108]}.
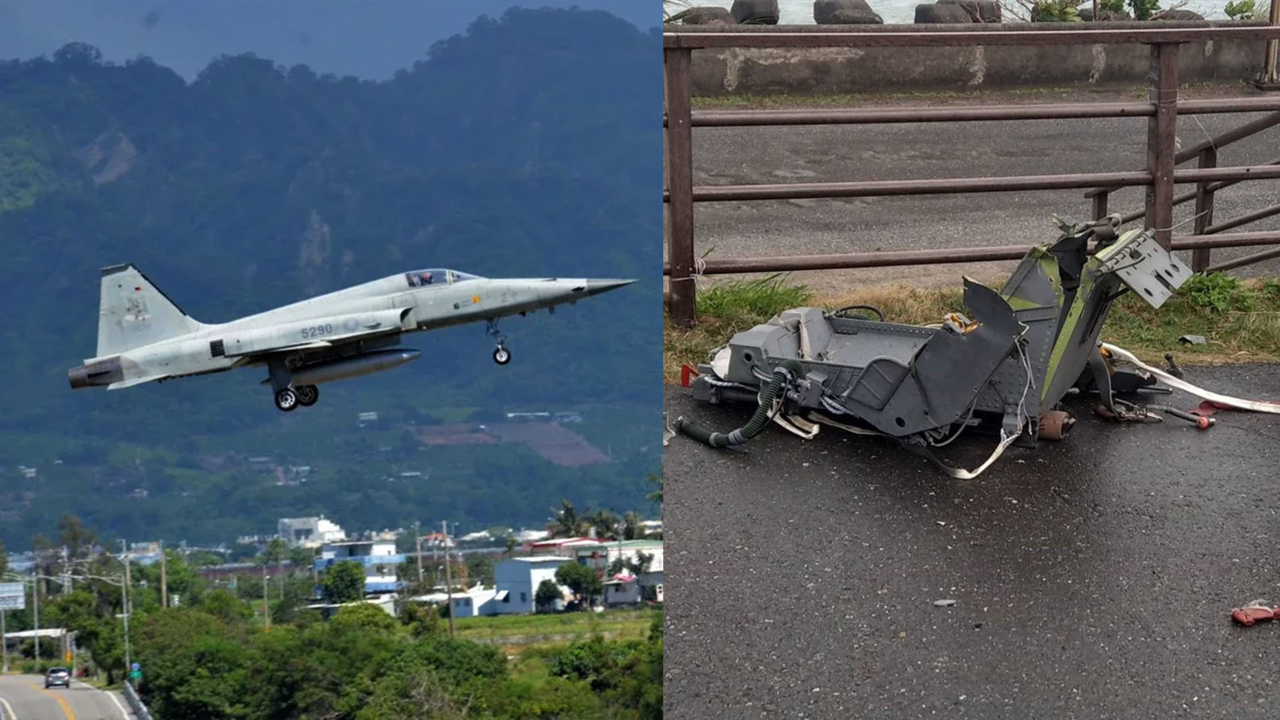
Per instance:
{"type": "Point", "coordinates": [1093, 578]}
{"type": "Point", "coordinates": [768, 155]}
{"type": "Point", "coordinates": [24, 698]}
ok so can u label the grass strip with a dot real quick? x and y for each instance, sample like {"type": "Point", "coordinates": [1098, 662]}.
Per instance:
{"type": "Point", "coordinates": [1240, 319]}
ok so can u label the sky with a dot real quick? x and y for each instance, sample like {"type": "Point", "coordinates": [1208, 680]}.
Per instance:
{"type": "Point", "coordinates": [370, 39]}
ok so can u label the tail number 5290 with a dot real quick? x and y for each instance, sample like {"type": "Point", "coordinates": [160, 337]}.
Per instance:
{"type": "Point", "coordinates": [316, 331]}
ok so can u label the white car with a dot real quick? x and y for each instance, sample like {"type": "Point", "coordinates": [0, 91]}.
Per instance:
{"type": "Point", "coordinates": [57, 676]}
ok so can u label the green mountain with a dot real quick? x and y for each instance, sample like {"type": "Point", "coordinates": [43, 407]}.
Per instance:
{"type": "Point", "coordinates": [524, 147]}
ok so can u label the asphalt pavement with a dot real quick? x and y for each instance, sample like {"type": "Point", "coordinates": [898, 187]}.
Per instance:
{"type": "Point", "coordinates": [1092, 578]}
{"type": "Point", "coordinates": [23, 697]}
{"type": "Point", "coordinates": [836, 153]}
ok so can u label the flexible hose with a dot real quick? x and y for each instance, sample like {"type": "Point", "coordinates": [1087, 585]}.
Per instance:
{"type": "Point", "coordinates": [782, 375]}
{"type": "Point", "coordinates": [1203, 423]}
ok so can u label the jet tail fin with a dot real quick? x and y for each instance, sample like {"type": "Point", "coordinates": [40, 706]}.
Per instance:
{"type": "Point", "coordinates": [132, 312]}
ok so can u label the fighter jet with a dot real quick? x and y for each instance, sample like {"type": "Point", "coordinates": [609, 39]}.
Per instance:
{"type": "Point", "coordinates": [143, 336]}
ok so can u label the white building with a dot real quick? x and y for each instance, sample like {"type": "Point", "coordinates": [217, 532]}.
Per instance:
{"type": "Point", "coordinates": [647, 585]}
{"type": "Point", "coordinates": [477, 601]}
{"type": "Point", "coordinates": [309, 532]}
{"type": "Point", "coordinates": [622, 589]}
{"type": "Point", "coordinates": [379, 558]}
{"type": "Point", "coordinates": [518, 579]}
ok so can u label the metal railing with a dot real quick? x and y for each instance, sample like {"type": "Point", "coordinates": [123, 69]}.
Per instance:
{"type": "Point", "coordinates": [135, 703]}
{"type": "Point", "coordinates": [1160, 176]}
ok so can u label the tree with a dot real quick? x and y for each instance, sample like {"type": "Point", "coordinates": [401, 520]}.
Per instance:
{"type": "Point", "coordinates": [656, 480]}
{"type": "Point", "coordinates": [581, 580]}
{"type": "Point", "coordinates": [226, 607]}
{"type": "Point", "coordinates": [605, 524]}
{"type": "Point", "coordinates": [74, 536]}
{"type": "Point", "coordinates": [632, 526]}
{"type": "Point", "coordinates": [275, 552]}
{"type": "Point", "coordinates": [566, 523]}
{"type": "Point", "coordinates": [547, 594]}
{"type": "Point", "coordinates": [343, 583]}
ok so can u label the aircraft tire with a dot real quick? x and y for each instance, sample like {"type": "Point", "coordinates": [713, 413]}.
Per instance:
{"type": "Point", "coordinates": [501, 355]}
{"type": "Point", "coordinates": [308, 395]}
{"type": "Point", "coordinates": [287, 400]}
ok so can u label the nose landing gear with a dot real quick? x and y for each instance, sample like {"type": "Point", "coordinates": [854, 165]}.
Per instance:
{"type": "Point", "coordinates": [501, 354]}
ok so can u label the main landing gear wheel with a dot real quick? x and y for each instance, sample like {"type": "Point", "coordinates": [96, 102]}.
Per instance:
{"type": "Point", "coordinates": [501, 354]}
{"type": "Point", "coordinates": [287, 400]}
{"type": "Point", "coordinates": [307, 395]}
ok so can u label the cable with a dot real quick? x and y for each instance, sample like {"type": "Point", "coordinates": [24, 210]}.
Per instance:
{"type": "Point", "coordinates": [872, 308]}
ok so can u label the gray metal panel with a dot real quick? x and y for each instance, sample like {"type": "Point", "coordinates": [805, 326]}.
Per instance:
{"type": "Point", "coordinates": [878, 382]}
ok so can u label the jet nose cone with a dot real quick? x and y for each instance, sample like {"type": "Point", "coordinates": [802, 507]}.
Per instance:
{"type": "Point", "coordinates": [595, 287]}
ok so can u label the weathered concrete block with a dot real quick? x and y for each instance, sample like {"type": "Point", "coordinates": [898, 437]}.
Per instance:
{"type": "Point", "coordinates": [844, 12]}
{"type": "Point", "coordinates": [706, 16]}
{"type": "Point", "coordinates": [756, 11]}
{"type": "Point", "coordinates": [941, 14]}
{"type": "Point", "coordinates": [984, 11]}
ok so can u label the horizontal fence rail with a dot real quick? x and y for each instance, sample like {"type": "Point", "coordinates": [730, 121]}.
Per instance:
{"type": "Point", "coordinates": [897, 258]}
{"type": "Point", "coordinates": [996, 34]}
{"type": "Point", "coordinates": [1159, 177]}
{"type": "Point", "coordinates": [1061, 111]}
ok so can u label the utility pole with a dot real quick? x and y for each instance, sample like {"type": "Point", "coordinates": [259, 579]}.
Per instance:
{"type": "Point", "coordinates": [66, 572]}
{"type": "Point", "coordinates": [417, 548]}
{"type": "Point", "coordinates": [35, 597]}
{"type": "Point", "coordinates": [124, 589]}
{"type": "Point", "coordinates": [4, 643]}
{"type": "Point", "coordinates": [164, 579]}
{"type": "Point", "coordinates": [448, 576]}
{"type": "Point", "coordinates": [266, 610]}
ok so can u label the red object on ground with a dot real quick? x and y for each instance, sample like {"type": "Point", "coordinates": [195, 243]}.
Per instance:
{"type": "Point", "coordinates": [1207, 409]}
{"type": "Point", "coordinates": [687, 373]}
{"type": "Point", "coordinates": [1249, 615]}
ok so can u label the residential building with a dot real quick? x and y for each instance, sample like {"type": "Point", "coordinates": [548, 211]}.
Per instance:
{"type": "Point", "coordinates": [309, 532]}
{"type": "Point", "coordinates": [379, 558]}
{"type": "Point", "coordinates": [517, 580]}
{"type": "Point", "coordinates": [561, 546]}
{"type": "Point", "coordinates": [602, 554]}
{"type": "Point", "coordinates": [647, 584]}
{"type": "Point", "coordinates": [621, 589]}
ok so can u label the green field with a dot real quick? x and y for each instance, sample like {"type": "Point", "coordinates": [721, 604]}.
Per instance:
{"type": "Point", "coordinates": [515, 633]}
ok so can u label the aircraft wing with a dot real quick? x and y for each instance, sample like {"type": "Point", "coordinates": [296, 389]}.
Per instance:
{"type": "Point", "coordinates": [314, 334]}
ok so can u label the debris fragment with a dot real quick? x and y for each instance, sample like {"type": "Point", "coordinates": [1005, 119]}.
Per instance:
{"type": "Point", "coordinates": [1192, 340]}
{"type": "Point", "coordinates": [944, 603]}
{"type": "Point", "coordinates": [1254, 612]}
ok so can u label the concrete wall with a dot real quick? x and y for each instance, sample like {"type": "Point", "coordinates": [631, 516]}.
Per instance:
{"type": "Point", "coordinates": [768, 71]}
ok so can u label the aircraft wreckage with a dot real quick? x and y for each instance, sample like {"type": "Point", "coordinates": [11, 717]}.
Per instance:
{"type": "Point", "coordinates": [1002, 372]}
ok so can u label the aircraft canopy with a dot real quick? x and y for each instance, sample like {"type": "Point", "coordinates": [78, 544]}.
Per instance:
{"type": "Point", "coordinates": [442, 276]}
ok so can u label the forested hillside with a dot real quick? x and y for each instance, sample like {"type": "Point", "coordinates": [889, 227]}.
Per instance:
{"type": "Point", "coordinates": [526, 147]}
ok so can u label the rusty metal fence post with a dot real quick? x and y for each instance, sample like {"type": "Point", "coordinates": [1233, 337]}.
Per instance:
{"type": "Point", "coordinates": [1204, 210]}
{"type": "Point", "coordinates": [1269, 78]}
{"type": "Point", "coordinates": [1161, 139]}
{"type": "Point", "coordinates": [1100, 205]}
{"type": "Point", "coordinates": [677, 64]}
